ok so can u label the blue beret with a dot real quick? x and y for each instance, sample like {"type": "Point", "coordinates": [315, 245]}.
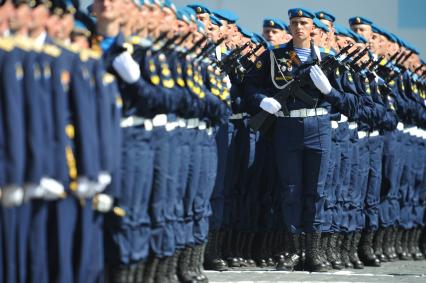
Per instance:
{"type": "Point", "coordinates": [323, 15]}
{"type": "Point", "coordinates": [340, 30]}
{"type": "Point", "coordinates": [244, 32]}
{"type": "Point", "coordinates": [215, 20]}
{"type": "Point", "coordinates": [300, 12]}
{"type": "Point", "coordinates": [260, 39]}
{"type": "Point", "coordinates": [226, 15]}
{"type": "Point", "coordinates": [199, 8]}
{"type": "Point", "coordinates": [200, 26]}
{"type": "Point", "coordinates": [359, 21]}
{"type": "Point", "coordinates": [189, 13]}
{"type": "Point", "coordinates": [169, 4]}
{"type": "Point", "coordinates": [321, 25]}
{"type": "Point", "coordinates": [274, 23]}
{"type": "Point", "coordinates": [182, 15]}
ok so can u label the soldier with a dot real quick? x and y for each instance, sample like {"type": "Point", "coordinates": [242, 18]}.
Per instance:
{"type": "Point", "coordinates": [275, 31]}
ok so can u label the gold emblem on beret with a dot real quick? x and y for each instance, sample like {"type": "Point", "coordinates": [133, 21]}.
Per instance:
{"type": "Point", "coordinates": [321, 15]}
{"type": "Point", "coordinates": [300, 13]}
{"type": "Point", "coordinates": [272, 23]}
{"type": "Point", "coordinates": [199, 10]}
{"type": "Point", "coordinates": [358, 20]}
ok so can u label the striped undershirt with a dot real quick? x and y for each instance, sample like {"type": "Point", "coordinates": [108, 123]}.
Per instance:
{"type": "Point", "coordinates": [303, 53]}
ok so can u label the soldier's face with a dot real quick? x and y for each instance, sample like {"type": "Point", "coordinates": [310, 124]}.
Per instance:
{"type": "Point", "coordinates": [301, 28]}
{"type": "Point", "coordinates": [19, 17]}
{"type": "Point", "coordinates": [374, 43]}
{"type": "Point", "coordinates": [364, 30]}
{"type": "Point", "coordinates": [109, 10]}
{"type": "Point", "coordinates": [53, 26]}
{"type": "Point", "coordinates": [39, 17]}
{"type": "Point", "coordinates": [273, 35]}
{"type": "Point", "coordinates": [214, 32]}
{"type": "Point", "coordinates": [317, 37]}
{"type": "Point", "coordinates": [205, 19]}
{"type": "Point", "coordinates": [66, 23]}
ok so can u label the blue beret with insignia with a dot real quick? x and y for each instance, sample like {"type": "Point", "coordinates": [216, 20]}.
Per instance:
{"type": "Point", "coordinates": [215, 20]}
{"type": "Point", "coordinates": [275, 23]}
{"type": "Point", "coordinates": [321, 25]}
{"type": "Point", "coordinates": [301, 13]}
{"type": "Point", "coordinates": [199, 8]}
{"type": "Point", "coordinates": [190, 13]}
{"type": "Point", "coordinates": [359, 21]}
{"type": "Point", "coordinates": [324, 15]}
{"type": "Point", "coordinates": [226, 15]}
{"type": "Point", "coordinates": [182, 15]}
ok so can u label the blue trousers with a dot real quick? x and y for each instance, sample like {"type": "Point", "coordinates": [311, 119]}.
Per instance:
{"type": "Point", "coordinates": [38, 242]}
{"type": "Point", "coordinates": [302, 147]}
{"type": "Point", "coordinates": [406, 190]}
{"type": "Point", "coordinates": [363, 171]}
{"type": "Point", "coordinates": [127, 238]}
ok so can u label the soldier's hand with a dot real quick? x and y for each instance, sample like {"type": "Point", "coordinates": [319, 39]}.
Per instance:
{"type": "Point", "coordinates": [84, 188]}
{"type": "Point", "coordinates": [320, 80]}
{"type": "Point", "coordinates": [102, 203]}
{"type": "Point", "coordinates": [12, 195]}
{"type": "Point", "coordinates": [270, 105]}
{"type": "Point", "coordinates": [52, 189]}
{"type": "Point", "coordinates": [126, 67]}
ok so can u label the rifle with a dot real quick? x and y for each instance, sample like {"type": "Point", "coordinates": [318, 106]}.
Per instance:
{"type": "Point", "coordinates": [209, 48]}
{"type": "Point", "coordinates": [166, 44]}
{"type": "Point", "coordinates": [262, 121]}
{"type": "Point", "coordinates": [353, 63]}
{"type": "Point", "coordinates": [195, 46]}
{"type": "Point", "coordinates": [232, 56]}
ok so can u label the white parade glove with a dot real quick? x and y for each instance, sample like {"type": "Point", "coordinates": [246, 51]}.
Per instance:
{"type": "Point", "coordinates": [104, 179]}
{"type": "Point", "coordinates": [52, 189]}
{"type": "Point", "coordinates": [270, 105]}
{"type": "Point", "coordinates": [102, 203]}
{"type": "Point", "coordinates": [32, 191]}
{"type": "Point", "coordinates": [126, 67]}
{"type": "Point", "coordinates": [320, 80]}
{"type": "Point", "coordinates": [84, 188]}
{"type": "Point", "coordinates": [12, 195]}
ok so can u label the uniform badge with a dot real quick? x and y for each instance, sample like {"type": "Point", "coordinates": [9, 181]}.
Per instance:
{"type": "Point", "coordinates": [337, 72]}
{"type": "Point", "coordinates": [271, 23]}
{"type": "Point", "coordinates": [321, 16]}
{"type": "Point", "coordinates": [294, 58]}
{"type": "Point", "coordinates": [259, 65]}
{"type": "Point", "coordinates": [19, 72]}
{"type": "Point", "coordinates": [118, 102]}
{"type": "Point", "coordinates": [358, 20]}
{"type": "Point", "coordinates": [37, 71]}
{"type": "Point", "coordinates": [65, 78]}
{"type": "Point", "coordinates": [47, 72]}
{"type": "Point", "coordinates": [350, 78]}
{"type": "Point", "coordinates": [299, 13]}
{"type": "Point", "coordinates": [392, 83]}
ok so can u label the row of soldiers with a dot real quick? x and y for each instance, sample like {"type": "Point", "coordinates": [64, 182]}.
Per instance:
{"type": "Point", "coordinates": [129, 143]}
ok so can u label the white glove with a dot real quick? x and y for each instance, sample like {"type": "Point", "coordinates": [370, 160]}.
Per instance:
{"type": "Point", "coordinates": [84, 188]}
{"type": "Point", "coordinates": [104, 179]}
{"type": "Point", "coordinates": [126, 67]}
{"type": "Point", "coordinates": [320, 80]}
{"type": "Point", "coordinates": [102, 203]}
{"type": "Point", "coordinates": [270, 105]}
{"type": "Point", "coordinates": [52, 189]}
{"type": "Point", "coordinates": [12, 196]}
{"type": "Point", "coordinates": [32, 191]}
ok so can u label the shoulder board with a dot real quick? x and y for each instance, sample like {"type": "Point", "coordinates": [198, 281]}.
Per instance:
{"type": "Point", "coordinates": [51, 50]}
{"type": "Point", "coordinates": [84, 55]}
{"type": "Point", "coordinates": [327, 51]}
{"type": "Point", "coordinates": [383, 62]}
{"type": "Point", "coordinates": [22, 43]}
{"type": "Point", "coordinates": [133, 39]}
{"type": "Point", "coordinates": [95, 54]}
{"type": "Point", "coordinates": [6, 44]}
{"type": "Point", "coordinates": [69, 47]}
{"type": "Point", "coordinates": [279, 46]}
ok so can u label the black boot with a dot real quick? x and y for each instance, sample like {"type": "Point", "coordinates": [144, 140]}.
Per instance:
{"type": "Point", "coordinates": [185, 274]}
{"type": "Point", "coordinates": [241, 245]}
{"type": "Point", "coordinates": [229, 249]}
{"type": "Point", "coordinates": [323, 248]}
{"type": "Point", "coordinates": [150, 270]}
{"type": "Point", "coordinates": [302, 243]}
{"type": "Point", "coordinates": [292, 257]}
{"type": "Point", "coordinates": [212, 260]}
{"type": "Point", "coordinates": [140, 267]}
{"type": "Point", "coordinates": [161, 271]}
{"type": "Point", "coordinates": [378, 244]}
{"type": "Point", "coordinates": [365, 251]}
{"type": "Point", "coordinates": [405, 254]}
{"type": "Point", "coordinates": [281, 248]}
{"type": "Point", "coordinates": [333, 256]}
{"type": "Point", "coordinates": [353, 253]}
{"type": "Point", "coordinates": [197, 258]}
{"type": "Point", "coordinates": [172, 268]}
{"type": "Point", "coordinates": [118, 274]}
{"type": "Point", "coordinates": [345, 250]}
{"type": "Point", "coordinates": [260, 256]}
{"type": "Point", "coordinates": [423, 241]}
{"type": "Point", "coordinates": [398, 242]}
{"type": "Point", "coordinates": [269, 249]}
{"type": "Point", "coordinates": [247, 252]}
{"type": "Point", "coordinates": [417, 254]}
{"type": "Point", "coordinates": [313, 262]}
{"type": "Point", "coordinates": [387, 244]}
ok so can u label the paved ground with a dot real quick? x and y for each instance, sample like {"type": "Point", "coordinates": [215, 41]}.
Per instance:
{"type": "Point", "coordinates": [400, 271]}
